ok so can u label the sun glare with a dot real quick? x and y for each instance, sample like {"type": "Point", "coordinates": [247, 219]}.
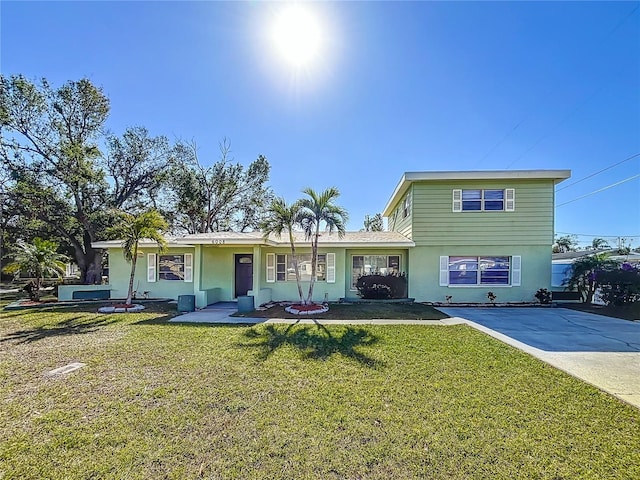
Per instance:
{"type": "Point", "coordinates": [297, 36]}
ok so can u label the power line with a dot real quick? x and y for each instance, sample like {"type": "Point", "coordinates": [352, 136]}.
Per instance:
{"type": "Point", "coordinates": [599, 172]}
{"type": "Point", "coordinates": [600, 190]}
{"type": "Point", "coordinates": [530, 113]}
{"type": "Point", "coordinates": [594, 235]}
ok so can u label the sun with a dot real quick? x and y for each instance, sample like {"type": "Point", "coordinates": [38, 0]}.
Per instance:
{"type": "Point", "coordinates": [297, 36]}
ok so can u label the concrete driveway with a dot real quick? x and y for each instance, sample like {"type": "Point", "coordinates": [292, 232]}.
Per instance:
{"type": "Point", "coordinates": [603, 351]}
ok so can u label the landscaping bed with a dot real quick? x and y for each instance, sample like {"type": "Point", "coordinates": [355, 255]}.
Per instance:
{"type": "Point", "coordinates": [356, 311]}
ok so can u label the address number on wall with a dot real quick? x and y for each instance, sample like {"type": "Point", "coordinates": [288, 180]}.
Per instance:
{"type": "Point", "coordinates": [217, 242]}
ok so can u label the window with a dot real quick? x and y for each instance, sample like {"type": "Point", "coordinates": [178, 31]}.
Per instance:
{"type": "Point", "coordinates": [369, 264]}
{"type": "Point", "coordinates": [560, 274]}
{"type": "Point", "coordinates": [464, 270]}
{"type": "Point", "coordinates": [406, 206]}
{"type": "Point", "coordinates": [484, 200]}
{"type": "Point", "coordinates": [171, 267]}
{"type": "Point", "coordinates": [286, 272]}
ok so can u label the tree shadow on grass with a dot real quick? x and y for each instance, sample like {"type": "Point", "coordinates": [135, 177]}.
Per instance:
{"type": "Point", "coordinates": [72, 326]}
{"type": "Point", "coordinates": [314, 342]}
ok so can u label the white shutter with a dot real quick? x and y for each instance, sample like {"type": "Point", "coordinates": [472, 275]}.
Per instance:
{"type": "Point", "coordinates": [510, 200]}
{"type": "Point", "coordinates": [516, 270]}
{"type": "Point", "coordinates": [271, 267]}
{"type": "Point", "coordinates": [151, 267]}
{"type": "Point", "coordinates": [457, 201]}
{"type": "Point", "coordinates": [444, 271]}
{"type": "Point", "coordinates": [188, 267]}
{"type": "Point", "coordinates": [331, 268]}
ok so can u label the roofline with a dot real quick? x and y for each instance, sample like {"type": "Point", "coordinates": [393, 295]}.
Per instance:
{"type": "Point", "coordinates": [409, 177]}
{"type": "Point", "coordinates": [256, 242]}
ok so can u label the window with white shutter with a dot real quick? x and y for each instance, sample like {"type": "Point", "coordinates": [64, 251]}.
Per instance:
{"type": "Point", "coordinates": [331, 268]}
{"type": "Point", "coordinates": [457, 200]}
{"type": "Point", "coordinates": [516, 270]}
{"type": "Point", "coordinates": [271, 267]}
{"type": "Point", "coordinates": [151, 267]}
{"type": "Point", "coordinates": [188, 267]}
{"type": "Point", "coordinates": [510, 200]}
{"type": "Point", "coordinates": [444, 271]}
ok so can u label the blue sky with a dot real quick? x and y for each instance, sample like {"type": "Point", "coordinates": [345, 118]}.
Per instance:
{"type": "Point", "coordinates": [398, 86]}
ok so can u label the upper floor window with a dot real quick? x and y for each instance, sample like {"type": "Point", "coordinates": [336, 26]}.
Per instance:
{"type": "Point", "coordinates": [484, 200]}
{"type": "Point", "coordinates": [406, 206]}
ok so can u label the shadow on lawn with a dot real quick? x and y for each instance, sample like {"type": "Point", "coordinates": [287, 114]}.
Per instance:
{"type": "Point", "coordinates": [72, 326]}
{"type": "Point", "coordinates": [316, 343]}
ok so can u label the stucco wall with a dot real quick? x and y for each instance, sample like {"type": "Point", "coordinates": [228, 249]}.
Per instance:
{"type": "Point", "coordinates": [119, 271]}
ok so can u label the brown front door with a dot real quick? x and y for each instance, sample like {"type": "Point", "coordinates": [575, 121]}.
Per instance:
{"type": "Point", "coordinates": [244, 274]}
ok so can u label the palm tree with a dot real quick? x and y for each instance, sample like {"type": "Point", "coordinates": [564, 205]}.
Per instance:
{"type": "Point", "coordinates": [283, 218]}
{"type": "Point", "coordinates": [598, 243]}
{"type": "Point", "coordinates": [37, 259]}
{"type": "Point", "coordinates": [319, 208]}
{"type": "Point", "coordinates": [131, 229]}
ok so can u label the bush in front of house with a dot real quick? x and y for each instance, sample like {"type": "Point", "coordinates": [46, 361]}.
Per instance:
{"type": "Point", "coordinates": [376, 286]}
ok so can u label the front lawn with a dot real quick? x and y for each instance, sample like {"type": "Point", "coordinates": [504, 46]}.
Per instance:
{"type": "Point", "coordinates": [159, 400]}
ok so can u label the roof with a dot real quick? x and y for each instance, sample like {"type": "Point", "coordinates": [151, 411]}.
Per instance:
{"type": "Point", "coordinates": [409, 177]}
{"type": "Point", "coordinates": [570, 257]}
{"type": "Point", "coordinates": [350, 239]}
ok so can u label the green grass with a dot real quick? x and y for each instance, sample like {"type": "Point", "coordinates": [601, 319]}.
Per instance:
{"type": "Point", "coordinates": [160, 400]}
{"type": "Point", "coordinates": [358, 311]}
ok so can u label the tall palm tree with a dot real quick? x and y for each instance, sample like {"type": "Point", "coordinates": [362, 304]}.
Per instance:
{"type": "Point", "coordinates": [318, 209]}
{"type": "Point", "coordinates": [282, 218]}
{"type": "Point", "coordinates": [37, 259]}
{"type": "Point", "coordinates": [133, 228]}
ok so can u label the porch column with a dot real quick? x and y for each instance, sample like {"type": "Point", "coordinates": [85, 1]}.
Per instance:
{"type": "Point", "coordinates": [259, 295]}
{"type": "Point", "coordinates": [201, 297]}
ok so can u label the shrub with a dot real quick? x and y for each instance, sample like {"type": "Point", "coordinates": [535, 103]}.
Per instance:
{"type": "Point", "coordinates": [543, 295]}
{"type": "Point", "coordinates": [620, 287]}
{"type": "Point", "coordinates": [376, 286]}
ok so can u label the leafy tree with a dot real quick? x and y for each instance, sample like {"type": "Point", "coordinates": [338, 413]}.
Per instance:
{"type": "Point", "coordinates": [598, 243]}
{"type": "Point", "coordinates": [373, 224]}
{"type": "Point", "coordinates": [60, 183]}
{"type": "Point", "coordinates": [222, 197]}
{"type": "Point", "coordinates": [566, 243]}
{"type": "Point", "coordinates": [282, 218]}
{"type": "Point", "coordinates": [37, 259]}
{"type": "Point", "coordinates": [139, 166]}
{"type": "Point", "coordinates": [319, 209]}
{"type": "Point", "coordinates": [48, 144]}
{"type": "Point", "coordinates": [586, 273]}
{"type": "Point", "coordinates": [131, 229]}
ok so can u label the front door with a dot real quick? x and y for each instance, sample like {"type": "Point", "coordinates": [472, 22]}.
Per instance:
{"type": "Point", "coordinates": [244, 274]}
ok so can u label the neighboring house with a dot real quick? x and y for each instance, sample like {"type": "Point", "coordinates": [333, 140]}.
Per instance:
{"type": "Point", "coordinates": [561, 264]}
{"type": "Point", "coordinates": [461, 234]}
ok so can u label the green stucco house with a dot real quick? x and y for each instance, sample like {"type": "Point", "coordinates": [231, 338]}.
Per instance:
{"type": "Point", "coordinates": [455, 234]}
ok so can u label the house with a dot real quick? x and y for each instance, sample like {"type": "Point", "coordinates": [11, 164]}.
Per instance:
{"type": "Point", "coordinates": [458, 234]}
{"type": "Point", "coordinates": [476, 232]}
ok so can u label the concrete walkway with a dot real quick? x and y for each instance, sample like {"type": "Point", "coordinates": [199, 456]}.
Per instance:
{"type": "Point", "coordinates": [602, 351]}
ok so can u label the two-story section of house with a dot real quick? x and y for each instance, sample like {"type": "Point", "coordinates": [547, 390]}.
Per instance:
{"type": "Point", "coordinates": [476, 232]}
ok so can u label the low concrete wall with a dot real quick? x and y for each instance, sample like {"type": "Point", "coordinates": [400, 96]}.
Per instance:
{"type": "Point", "coordinates": [261, 297]}
{"type": "Point", "coordinates": [84, 292]}
{"type": "Point", "coordinates": [208, 297]}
